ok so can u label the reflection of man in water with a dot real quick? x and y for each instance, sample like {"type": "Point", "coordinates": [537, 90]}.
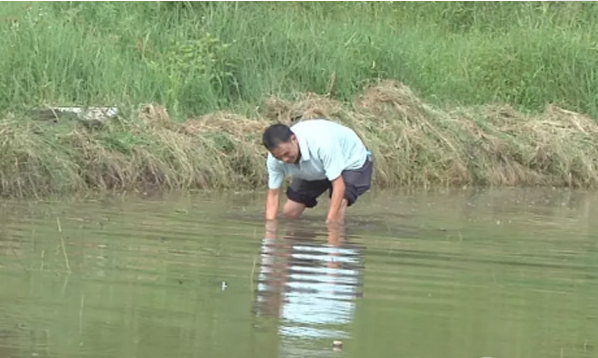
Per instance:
{"type": "Point", "coordinates": [309, 283]}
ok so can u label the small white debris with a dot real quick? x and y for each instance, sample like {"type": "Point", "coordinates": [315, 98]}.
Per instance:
{"type": "Point", "coordinates": [90, 116]}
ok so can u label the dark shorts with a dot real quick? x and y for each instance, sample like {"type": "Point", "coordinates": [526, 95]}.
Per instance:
{"type": "Point", "coordinates": [356, 181]}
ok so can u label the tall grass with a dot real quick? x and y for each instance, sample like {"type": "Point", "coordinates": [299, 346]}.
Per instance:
{"type": "Point", "coordinates": [199, 57]}
{"type": "Point", "coordinates": [192, 59]}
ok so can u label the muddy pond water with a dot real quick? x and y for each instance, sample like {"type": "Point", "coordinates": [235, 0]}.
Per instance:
{"type": "Point", "coordinates": [505, 273]}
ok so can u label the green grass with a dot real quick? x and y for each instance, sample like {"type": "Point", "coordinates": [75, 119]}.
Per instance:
{"type": "Point", "coordinates": [457, 62]}
{"type": "Point", "coordinates": [200, 57]}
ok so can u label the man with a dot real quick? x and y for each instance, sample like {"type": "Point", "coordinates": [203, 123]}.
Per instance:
{"type": "Point", "coordinates": [319, 155]}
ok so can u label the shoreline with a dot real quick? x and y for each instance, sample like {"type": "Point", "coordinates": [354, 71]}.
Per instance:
{"type": "Point", "coordinates": [414, 144]}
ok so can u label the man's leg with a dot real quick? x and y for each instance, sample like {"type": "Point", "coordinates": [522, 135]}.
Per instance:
{"type": "Point", "coordinates": [303, 194]}
{"type": "Point", "coordinates": [292, 209]}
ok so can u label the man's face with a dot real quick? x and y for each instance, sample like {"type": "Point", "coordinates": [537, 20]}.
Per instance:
{"type": "Point", "coordinates": [287, 152]}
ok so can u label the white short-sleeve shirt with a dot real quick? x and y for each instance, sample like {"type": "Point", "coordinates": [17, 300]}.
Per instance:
{"type": "Point", "coordinates": [327, 148]}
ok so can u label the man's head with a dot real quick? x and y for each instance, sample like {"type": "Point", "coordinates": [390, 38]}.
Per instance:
{"type": "Point", "coordinates": [282, 143]}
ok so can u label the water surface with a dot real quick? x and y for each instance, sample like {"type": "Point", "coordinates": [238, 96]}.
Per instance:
{"type": "Point", "coordinates": [501, 273]}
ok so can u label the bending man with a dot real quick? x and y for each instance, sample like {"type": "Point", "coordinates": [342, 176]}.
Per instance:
{"type": "Point", "coordinates": [319, 155]}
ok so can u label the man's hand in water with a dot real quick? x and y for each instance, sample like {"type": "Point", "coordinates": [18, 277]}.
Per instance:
{"type": "Point", "coordinates": [335, 234]}
{"type": "Point", "coordinates": [271, 229]}
{"type": "Point", "coordinates": [336, 237]}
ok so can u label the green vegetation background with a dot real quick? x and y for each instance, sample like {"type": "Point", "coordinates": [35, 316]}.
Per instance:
{"type": "Point", "coordinates": [200, 57]}
{"type": "Point", "coordinates": [457, 93]}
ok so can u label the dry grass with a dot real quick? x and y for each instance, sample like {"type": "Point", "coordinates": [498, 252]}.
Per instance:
{"type": "Point", "coordinates": [414, 144]}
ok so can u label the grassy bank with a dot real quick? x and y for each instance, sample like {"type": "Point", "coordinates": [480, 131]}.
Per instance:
{"type": "Point", "coordinates": [480, 93]}
{"type": "Point", "coordinates": [197, 58]}
{"type": "Point", "coordinates": [414, 144]}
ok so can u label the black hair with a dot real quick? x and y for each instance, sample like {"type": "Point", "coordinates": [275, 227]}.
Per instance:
{"type": "Point", "coordinates": [276, 134]}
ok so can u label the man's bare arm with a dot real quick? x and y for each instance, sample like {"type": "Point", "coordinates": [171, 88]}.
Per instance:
{"type": "Point", "coordinates": [272, 203]}
{"type": "Point", "coordinates": [338, 193]}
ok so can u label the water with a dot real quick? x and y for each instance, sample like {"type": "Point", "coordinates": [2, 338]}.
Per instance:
{"type": "Point", "coordinates": [502, 273]}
